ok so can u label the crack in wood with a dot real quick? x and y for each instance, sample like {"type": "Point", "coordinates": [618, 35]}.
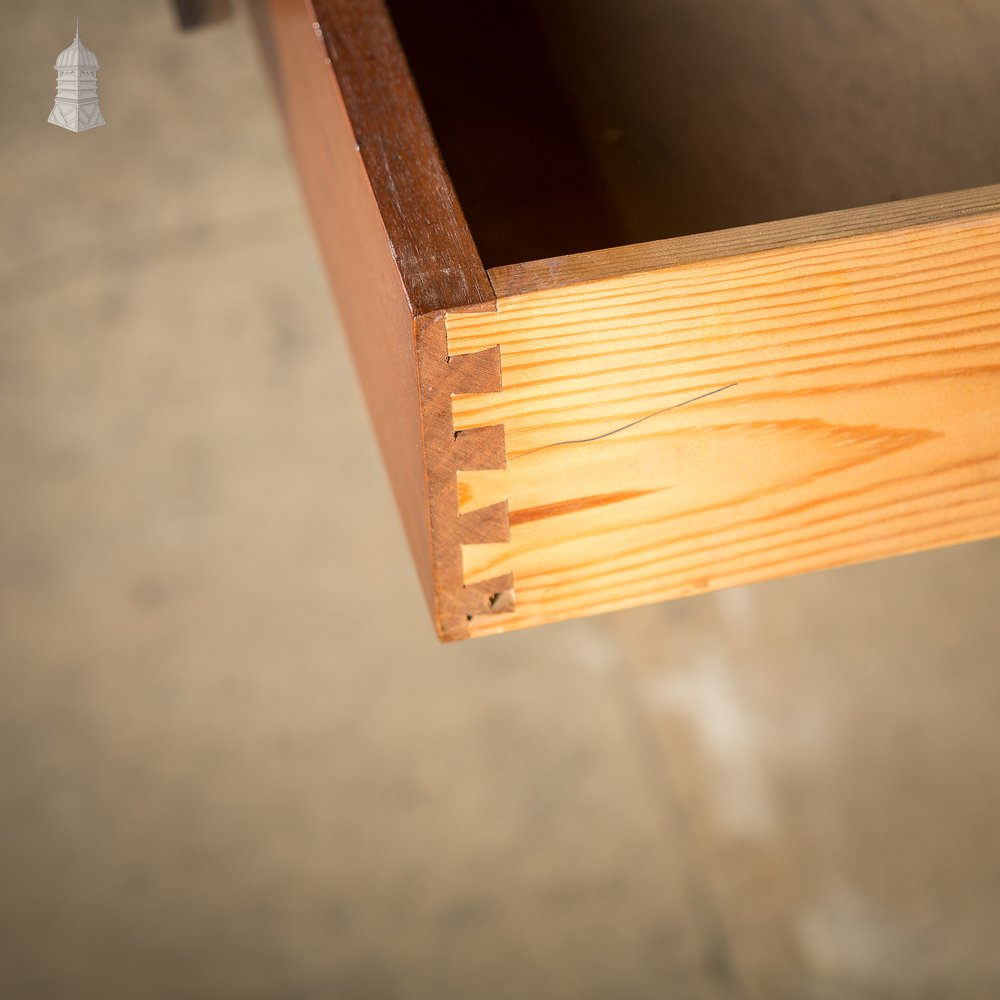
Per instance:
{"type": "Point", "coordinates": [625, 427]}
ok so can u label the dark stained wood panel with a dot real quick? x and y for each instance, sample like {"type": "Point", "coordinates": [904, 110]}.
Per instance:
{"type": "Point", "coordinates": [433, 252]}
{"type": "Point", "coordinates": [398, 255]}
{"type": "Point", "coordinates": [385, 261]}
{"type": "Point", "coordinates": [614, 122]}
{"type": "Point", "coordinates": [525, 175]}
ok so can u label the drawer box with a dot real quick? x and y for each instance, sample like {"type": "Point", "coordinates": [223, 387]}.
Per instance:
{"type": "Point", "coordinates": [661, 296]}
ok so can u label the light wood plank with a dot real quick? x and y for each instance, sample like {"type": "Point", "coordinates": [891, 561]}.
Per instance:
{"type": "Point", "coordinates": [729, 420]}
{"type": "Point", "coordinates": [577, 268]}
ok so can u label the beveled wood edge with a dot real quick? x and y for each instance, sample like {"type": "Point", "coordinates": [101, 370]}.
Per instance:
{"type": "Point", "coordinates": [441, 376]}
{"type": "Point", "coordinates": [640, 258]}
{"type": "Point", "coordinates": [438, 262]}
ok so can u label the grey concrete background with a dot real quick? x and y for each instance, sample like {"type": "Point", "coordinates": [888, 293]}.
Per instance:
{"type": "Point", "coordinates": [234, 762]}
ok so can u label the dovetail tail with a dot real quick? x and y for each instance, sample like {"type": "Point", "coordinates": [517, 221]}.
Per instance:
{"type": "Point", "coordinates": [450, 451]}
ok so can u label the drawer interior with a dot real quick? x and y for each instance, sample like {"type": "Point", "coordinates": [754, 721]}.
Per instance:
{"type": "Point", "coordinates": [575, 125]}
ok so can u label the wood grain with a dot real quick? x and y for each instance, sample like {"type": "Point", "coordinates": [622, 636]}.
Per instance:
{"type": "Point", "coordinates": [594, 265]}
{"type": "Point", "coordinates": [626, 426]}
{"type": "Point", "coordinates": [722, 421]}
{"type": "Point", "coordinates": [456, 601]}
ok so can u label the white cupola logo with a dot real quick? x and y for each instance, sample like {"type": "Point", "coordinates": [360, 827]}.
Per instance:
{"type": "Point", "coordinates": [76, 106]}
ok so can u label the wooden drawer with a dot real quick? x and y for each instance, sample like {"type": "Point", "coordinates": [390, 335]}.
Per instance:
{"type": "Point", "coordinates": [717, 299]}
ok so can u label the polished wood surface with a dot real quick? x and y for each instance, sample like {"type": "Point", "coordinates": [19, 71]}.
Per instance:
{"type": "Point", "coordinates": [397, 252]}
{"type": "Point", "coordinates": [433, 252]}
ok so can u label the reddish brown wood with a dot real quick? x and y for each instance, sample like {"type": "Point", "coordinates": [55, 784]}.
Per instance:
{"type": "Point", "coordinates": [430, 243]}
{"type": "Point", "coordinates": [520, 161]}
{"type": "Point", "coordinates": [398, 253]}
{"type": "Point", "coordinates": [445, 452]}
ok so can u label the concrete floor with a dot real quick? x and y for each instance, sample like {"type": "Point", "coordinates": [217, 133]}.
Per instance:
{"type": "Point", "coordinates": [234, 762]}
